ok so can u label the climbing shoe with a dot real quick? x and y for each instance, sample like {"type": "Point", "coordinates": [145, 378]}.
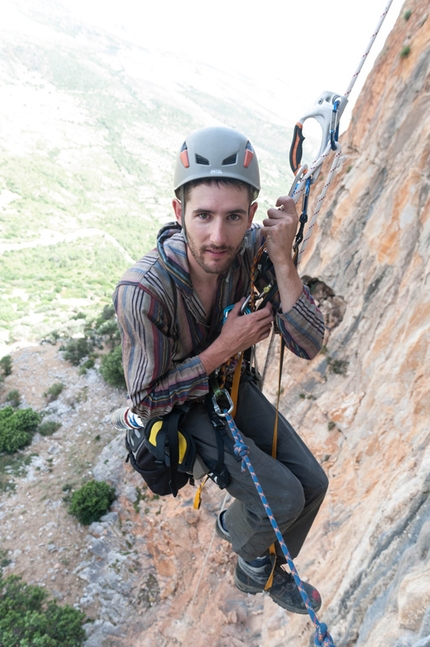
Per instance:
{"type": "Point", "coordinates": [220, 527]}
{"type": "Point", "coordinates": [252, 578]}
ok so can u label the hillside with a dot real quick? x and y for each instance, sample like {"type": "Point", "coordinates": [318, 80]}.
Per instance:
{"type": "Point", "coordinates": [152, 573]}
{"type": "Point", "coordinates": [89, 127]}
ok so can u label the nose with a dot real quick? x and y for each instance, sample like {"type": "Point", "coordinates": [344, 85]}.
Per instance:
{"type": "Point", "coordinates": [218, 235]}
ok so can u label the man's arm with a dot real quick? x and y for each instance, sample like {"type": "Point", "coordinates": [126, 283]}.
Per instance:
{"type": "Point", "coordinates": [155, 383]}
{"type": "Point", "coordinates": [300, 322]}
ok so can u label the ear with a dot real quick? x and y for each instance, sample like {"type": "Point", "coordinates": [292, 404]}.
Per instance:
{"type": "Point", "coordinates": [252, 209]}
{"type": "Point", "coordinates": [177, 208]}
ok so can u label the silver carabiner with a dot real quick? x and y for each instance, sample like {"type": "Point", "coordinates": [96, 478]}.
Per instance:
{"type": "Point", "coordinates": [216, 406]}
{"type": "Point", "coordinates": [327, 110]}
{"type": "Point", "coordinates": [300, 174]}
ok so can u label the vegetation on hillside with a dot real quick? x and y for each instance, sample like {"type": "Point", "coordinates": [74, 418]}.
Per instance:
{"type": "Point", "coordinates": [91, 501]}
{"type": "Point", "coordinates": [98, 334]}
{"type": "Point", "coordinates": [87, 167]}
{"type": "Point", "coordinates": [29, 619]}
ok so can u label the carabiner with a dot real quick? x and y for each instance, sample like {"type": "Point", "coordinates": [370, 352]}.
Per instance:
{"type": "Point", "coordinates": [216, 406]}
{"type": "Point", "coordinates": [327, 110]}
{"type": "Point", "coordinates": [301, 172]}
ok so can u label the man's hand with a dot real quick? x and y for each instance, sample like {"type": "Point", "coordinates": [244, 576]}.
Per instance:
{"type": "Point", "coordinates": [238, 333]}
{"type": "Point", "coordinates": [280, 230]}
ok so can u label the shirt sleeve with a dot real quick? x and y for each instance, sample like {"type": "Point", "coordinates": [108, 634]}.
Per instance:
{"type": "Point", "coordinates": [155, 383]}
{"type": "Point", "coordinates": [302, 327]}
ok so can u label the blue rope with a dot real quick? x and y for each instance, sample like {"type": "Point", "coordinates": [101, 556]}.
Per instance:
{"type": "Point", "coordinates": [322, 636]}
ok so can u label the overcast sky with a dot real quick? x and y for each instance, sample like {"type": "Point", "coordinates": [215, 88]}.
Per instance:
{"type": "Point", "coordinates": [307, 46]}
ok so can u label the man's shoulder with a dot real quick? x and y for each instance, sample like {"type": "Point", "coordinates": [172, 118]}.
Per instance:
{"type": "Point", "coordinates": [140, 273]}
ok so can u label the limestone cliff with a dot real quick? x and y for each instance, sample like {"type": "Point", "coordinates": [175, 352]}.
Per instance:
{"type": "Point", "coordinates": [152, 573]}
{"type": "Point", "coordinates": [369, 419]}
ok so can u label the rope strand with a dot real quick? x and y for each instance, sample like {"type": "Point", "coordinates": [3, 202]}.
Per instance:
{"type": "Point", "coordinates": [322, 636]}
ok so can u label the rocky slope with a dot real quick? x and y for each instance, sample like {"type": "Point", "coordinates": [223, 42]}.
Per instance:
{"type": "Point", "coordinates": [152, 573]}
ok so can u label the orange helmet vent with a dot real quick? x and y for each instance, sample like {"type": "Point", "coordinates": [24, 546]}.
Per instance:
{"type": "Point", "coordinates": [248, 158]}
{"type": "Point", "coordinates": [184, 158]}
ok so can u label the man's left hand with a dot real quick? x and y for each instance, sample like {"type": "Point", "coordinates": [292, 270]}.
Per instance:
{"type": "Point", "coordinates": [280, 229]}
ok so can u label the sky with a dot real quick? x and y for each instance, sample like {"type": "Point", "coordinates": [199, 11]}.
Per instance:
{"type": "Point", "coordinates": [302, 48]}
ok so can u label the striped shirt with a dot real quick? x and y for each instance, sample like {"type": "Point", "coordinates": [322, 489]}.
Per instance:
{"type": "Point", "coordinates": [163, 327]}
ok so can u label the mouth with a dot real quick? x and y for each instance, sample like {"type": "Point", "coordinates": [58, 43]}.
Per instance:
{"type": "Point", "coordinates": [216, 253]}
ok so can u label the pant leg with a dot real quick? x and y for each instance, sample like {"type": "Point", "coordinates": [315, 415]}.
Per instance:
{"type": "Point", "coordinates": [294, 483]}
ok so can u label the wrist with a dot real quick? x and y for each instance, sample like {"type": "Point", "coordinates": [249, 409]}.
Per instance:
{"type": "Point", "coordinates": [214, 356]}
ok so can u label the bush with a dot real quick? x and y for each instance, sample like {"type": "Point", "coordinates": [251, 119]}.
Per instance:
{"type": "Point", "coordinates": [6, 365]}
{"type": "Point", "coordinates": [48, 428]}
{"type": "Point", "coordinates": [54, 391]}
{"type": "Point", "coordinates": [77, 349]}
{"type": "Point", "coordinates": [91, 501]}
{"type": "Point", "coordinates": [16, 428]}
{"type": "Point", "coordinates": [111, 368]}
{"type": "Point", "coordinates": [29, 619]}
{"type": "Point", "coordinates": [14, 397]}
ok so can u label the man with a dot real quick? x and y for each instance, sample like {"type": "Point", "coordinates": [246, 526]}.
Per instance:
{"type": "Point", "coordinates": [171, 309]}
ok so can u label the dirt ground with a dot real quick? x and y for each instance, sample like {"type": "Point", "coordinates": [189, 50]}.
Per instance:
{"type": "Point", "coordinates": [39, 539]}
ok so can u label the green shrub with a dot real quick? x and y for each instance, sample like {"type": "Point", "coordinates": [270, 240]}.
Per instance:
{"type": "Point", "coordinates": [110, 330]}
{"type": "Point", "coordinates": [91, 501]}
{"type": "Point", "coordinates": [6, 365]}
{"type": "Point", "coordinates": [29, 619]}
{"type": "Point", "coordinates": [16, 427]}
{"type": "Point", "coordinates": [54, 391]}
{"type": "Point", "coordinates": [337, 366]}
{"type": "Point", "coordinates": [111, 368]}
{"type": "Point", "coordinates": [405, 51]}
{"type": "Point", "coordinates": [48, 428]}
{"type": "Point", "coordinates": [75, 350]}
{"type": "Point", "coordinates": [14, 397]}
{"type": "Point", "coordinates": [407, 15]}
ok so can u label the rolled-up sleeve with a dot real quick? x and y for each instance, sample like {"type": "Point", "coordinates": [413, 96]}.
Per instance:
{"type": "Point", "coordinates": [302, 327]}
{"type": "Point", "coordinates": [154, 381]}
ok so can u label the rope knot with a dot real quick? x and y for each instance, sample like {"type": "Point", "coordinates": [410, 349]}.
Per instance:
{"type": "Point", "coordinates": [241, 450]}
{"type": "Point", "coordinates": [322, 636]}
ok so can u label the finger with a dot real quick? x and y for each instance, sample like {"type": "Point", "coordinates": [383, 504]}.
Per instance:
{"type": "Point", "coordinates": [285, 203]}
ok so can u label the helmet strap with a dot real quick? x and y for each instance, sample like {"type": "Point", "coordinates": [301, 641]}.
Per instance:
{"type": "Point", "coordinates": [182, 199]}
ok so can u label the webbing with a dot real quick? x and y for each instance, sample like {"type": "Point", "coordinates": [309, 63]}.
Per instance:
{"type": "Point", "coordinates": [322, 636]}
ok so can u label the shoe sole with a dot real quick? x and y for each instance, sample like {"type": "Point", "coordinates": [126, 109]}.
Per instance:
{"type": "Point", "coordinates": [246, 588]}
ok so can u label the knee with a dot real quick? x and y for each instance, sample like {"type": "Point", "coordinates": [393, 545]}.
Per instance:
{"type": "Point", "coordinates": [293, 503]}
{"type": "Point", "coordinates": [318, 489]}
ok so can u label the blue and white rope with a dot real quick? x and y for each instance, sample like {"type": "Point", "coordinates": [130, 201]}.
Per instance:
{"type": "Point", "coordinates": [322, 636]}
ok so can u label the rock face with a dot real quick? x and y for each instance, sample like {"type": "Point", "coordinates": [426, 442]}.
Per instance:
{"type": "Point", "coordinates": [153, 574]}
{"type": "Point", "coordinates": [366, 403]}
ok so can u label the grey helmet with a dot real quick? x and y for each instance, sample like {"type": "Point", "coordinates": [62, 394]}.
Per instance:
{"type": "Point", "coordinates": [216, 152]}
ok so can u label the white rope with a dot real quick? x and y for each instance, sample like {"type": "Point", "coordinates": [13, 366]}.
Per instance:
{"type": "Point", "coordinates": [369, 47]}
{"type": "Point", "coordinates": [316, 164]}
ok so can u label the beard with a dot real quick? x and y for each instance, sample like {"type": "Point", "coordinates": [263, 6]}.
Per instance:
{"type": "Point", "coordinates": [213, 265]}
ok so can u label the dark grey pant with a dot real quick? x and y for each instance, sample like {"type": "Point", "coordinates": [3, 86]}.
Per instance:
{"type": "Point", "coordinates": [294, 483]}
